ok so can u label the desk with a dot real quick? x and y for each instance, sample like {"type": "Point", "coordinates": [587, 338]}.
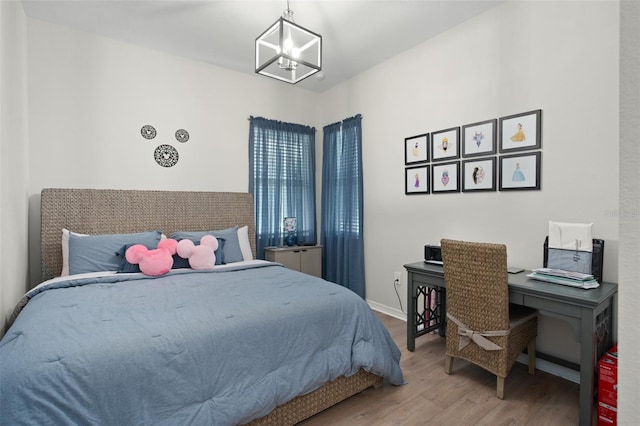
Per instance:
{"type": "Point", "coordinates": [590, 312]}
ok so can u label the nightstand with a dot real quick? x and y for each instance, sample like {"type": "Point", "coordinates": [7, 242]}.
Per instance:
{"type": "Point", "coordinates": [307, 259]}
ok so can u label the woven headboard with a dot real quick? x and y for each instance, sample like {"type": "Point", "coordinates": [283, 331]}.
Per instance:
{"type": "Point", "coordinates": [113, 211]}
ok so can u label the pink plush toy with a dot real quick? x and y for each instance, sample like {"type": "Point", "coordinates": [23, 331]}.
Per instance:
{"type": "Point", "coordinates": [202, 256]}
{"type": "Point", "coordinates": [153, 262]}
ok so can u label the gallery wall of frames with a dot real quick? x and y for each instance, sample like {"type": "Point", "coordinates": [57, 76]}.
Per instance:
{"type": "Point", "coordinates": [502, 153]}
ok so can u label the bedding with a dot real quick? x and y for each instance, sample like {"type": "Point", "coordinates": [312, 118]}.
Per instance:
{"type": "Point", "coordinates": [218, 347]}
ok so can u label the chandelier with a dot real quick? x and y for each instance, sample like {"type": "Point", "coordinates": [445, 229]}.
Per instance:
{"type": "Point", "coordinates": [288, 52]}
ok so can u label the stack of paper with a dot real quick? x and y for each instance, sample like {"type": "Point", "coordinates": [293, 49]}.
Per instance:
{"type": "Point", "coordinates": [560, 276]}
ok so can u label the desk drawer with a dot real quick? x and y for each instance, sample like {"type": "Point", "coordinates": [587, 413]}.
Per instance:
{"type": "Point", "coordinates": [557, 307]}
{"type": "Point", "coordinates": [518, 299]}
{"type": "Point", "coordinates": [427, 280]}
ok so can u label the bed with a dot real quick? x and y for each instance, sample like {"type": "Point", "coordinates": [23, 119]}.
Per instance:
{"type": "Point", "coordinates": [247, 342]}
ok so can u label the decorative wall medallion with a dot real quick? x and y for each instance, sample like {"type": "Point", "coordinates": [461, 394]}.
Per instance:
{"type": "Point", "coordinates": [182, 135]}
{"type": "Point", "coordinates": [148, 132]}
{"type": "Point", "coordinates": [166, 155]}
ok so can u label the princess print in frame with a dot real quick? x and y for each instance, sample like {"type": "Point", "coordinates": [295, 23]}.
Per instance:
{"type": "Point", "coordinates": [445, 144]}
{"type": "Point", "coordinates": [416, 180]}
{"type": "Point", "coordinates": [416, 149]}
{"type": "Point", "coordinates": [520, 171]}
{"type": "Point", "coordinates": [521, 132]}
{"type": "Point", "coordinates": [479, 139]}
{"type": "Point", "coordinates": [445, 177]}
{"type": "Point", "coordinates": [479, 174]}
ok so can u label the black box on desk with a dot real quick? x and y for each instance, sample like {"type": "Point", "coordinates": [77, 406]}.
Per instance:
{"type": "Point", "coordinates": [597, 257]}
{"type": "Point", "coordinates": [433, 254]}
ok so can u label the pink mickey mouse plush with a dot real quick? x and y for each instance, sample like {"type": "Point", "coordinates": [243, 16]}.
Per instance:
{"type": "Point", "coordinates": [202, 256]}
{"type": "Point", "coordinates": [153, 262]}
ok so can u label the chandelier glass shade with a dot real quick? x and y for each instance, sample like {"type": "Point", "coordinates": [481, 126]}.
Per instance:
{"type": "Point", "coordinates": [288, 52]}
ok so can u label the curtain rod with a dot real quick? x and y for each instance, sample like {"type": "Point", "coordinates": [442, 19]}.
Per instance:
{"type": "Point", "coordinates": [361, 116]}
{"type": "Point", "coordinates": [314, 129]}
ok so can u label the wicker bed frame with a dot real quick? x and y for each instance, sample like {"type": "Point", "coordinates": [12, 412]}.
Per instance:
{"type": "Point", "coordinates": [104, 211]}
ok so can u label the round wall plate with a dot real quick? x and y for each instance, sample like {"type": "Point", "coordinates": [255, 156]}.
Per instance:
{"type": "Point", "coordinates": [182, 135]}
{"type": "Point", "coordinates": [166, 155]}
{"type": "Point", "coordinates": [148, 132]}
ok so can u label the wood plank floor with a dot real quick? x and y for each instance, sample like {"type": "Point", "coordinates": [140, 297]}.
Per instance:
{"type": "Point", "coordinates": [466, 397]}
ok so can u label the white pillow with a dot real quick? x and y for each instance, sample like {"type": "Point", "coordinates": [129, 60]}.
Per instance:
{"type": "Point", "coordinates": [245, 246]}
{"type": "Point", "coordinates": [65, 251]}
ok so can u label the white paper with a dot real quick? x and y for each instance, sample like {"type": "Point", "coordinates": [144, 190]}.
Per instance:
{"type": "Point", "coordinates": [570, 236]}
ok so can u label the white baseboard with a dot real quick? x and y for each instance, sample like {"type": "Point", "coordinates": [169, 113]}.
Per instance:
{"type": "Point", "coordinates": [541, 364]}
{"type": "Point", "coordinates": [392, 312]}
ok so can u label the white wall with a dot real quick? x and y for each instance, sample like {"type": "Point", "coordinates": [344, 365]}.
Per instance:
{"type": "Point", "coordinates": [13, 158]}
{"type": "Point", "coordinates": [89, 96]}
{"type": "Point", "coordinates": [561, 57]}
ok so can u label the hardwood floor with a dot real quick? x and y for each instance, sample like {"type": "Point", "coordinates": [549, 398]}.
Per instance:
{"type": "Point", "coordinates": [466, 397]}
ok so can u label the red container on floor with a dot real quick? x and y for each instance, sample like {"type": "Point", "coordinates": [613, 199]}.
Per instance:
{"type": "Point", "coordinates": [606, 415]}
{"type": "Point", "coordinates": [608, 387]}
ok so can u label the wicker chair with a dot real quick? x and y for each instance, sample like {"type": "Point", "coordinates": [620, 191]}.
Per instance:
{"type": "Point", "coordinates": [482, 327]}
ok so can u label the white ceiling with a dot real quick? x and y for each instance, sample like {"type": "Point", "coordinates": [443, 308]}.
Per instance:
{"type": "Point", "coordinates": [356, 34]}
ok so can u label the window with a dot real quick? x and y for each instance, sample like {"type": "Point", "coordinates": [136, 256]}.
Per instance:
{"type": "Point", "coordinates": [282, 180]}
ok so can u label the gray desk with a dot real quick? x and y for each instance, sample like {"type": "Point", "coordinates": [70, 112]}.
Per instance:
{"type": "Point", "coordinates": [590, 312]}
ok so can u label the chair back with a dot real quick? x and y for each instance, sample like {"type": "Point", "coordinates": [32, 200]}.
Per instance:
{"type": "Point", "coordinates": [477, 283]}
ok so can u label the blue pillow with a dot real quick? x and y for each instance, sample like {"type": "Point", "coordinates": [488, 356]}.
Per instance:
{"type": "Point", "coordinates": [232, 252]}
{"type": "Point", "coordinates": [220, 251]}
{"type": "Point", "coordinates": [125, 265]}
{"type": "Point", "coordinates": [96, 253]}
{"type": "Point", "coordinates": [180, 262]}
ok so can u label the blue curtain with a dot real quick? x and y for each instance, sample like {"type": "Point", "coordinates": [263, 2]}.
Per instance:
{"type": "Point", "coordinates": [341, 230]}
{"type": "Point", "coordinates": [282, 180]}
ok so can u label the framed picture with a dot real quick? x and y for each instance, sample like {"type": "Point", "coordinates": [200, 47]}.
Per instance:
{"type": "Point", "coordinates": [445, 177]}
{"type": "Point", "coordinates": [479, 138]}
{"type": "Point", "coordinates": [521, 131]}
{"type": "Point", "coordinates": [445, 144]}
{"type": "Point", "coordinates": [416, 180]}
{"type": "Point", "coordinates": [520, 171]}
{"type": "Point", "coordinates": [479, 175]}
{"type": "Point", "coordinates": [416, 149]}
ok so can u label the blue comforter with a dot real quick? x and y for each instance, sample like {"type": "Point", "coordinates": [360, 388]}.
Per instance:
{"type": "Point", "coordinates": [220, 347]}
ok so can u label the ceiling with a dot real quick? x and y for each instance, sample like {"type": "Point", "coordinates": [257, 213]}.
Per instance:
{"type": "Point", "coordinates": [356, 34]}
